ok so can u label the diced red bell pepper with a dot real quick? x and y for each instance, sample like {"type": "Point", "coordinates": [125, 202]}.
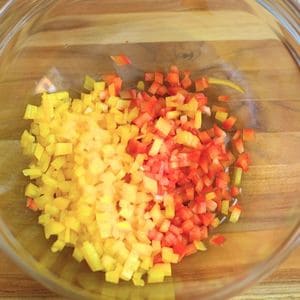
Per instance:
{"type": "Point", "coordinates": [198, 233]}
{"type": "Point", "coordinates": [186, 82]}
{"type": "Point", "coordinates": [175, 230]}
{"type": "Point", "coordinates": [203, 163]}
{"type": "Point", "coordinates": [180, 249]}
{"type": "Point", "coordinates": [190, 249]}
{"type": "Point", "coordinates": [217, 240]}
{"type": "Point", "coordinates": [121, 60]}
{"type": "Point", "coordinates": [154, 87]}
{"type": "Point", "coordinates": [234, 191]}
{"type": "Point", "coordinates": [173, 78]}
{"type": "Point", "coordinates": [218, 131]}
{"type": "Point", "coordinates": [225, 194]}
{"type": "Point", "coordinates": [177, 221]}
{"type": "Point", "coordinates": [199, 185]}
{"type": "Point", "coordinates": [157, 259]}
{"type": "Point", "coordinates": [109, 78]}
{"type": "Point", "coordinates": [224, 176]}
{"type": "Point", "coordinates": [211, 132]}
{"type": "Point", "coordinates": [162, 90]}
{"type": "Point", "coordinates": [220, 183]}
{"type": "Point", "coordinates": [207, 180]}
{"type": "Point", "coordinates": [142, 119]}
{"type": "Point", "coordinates": [184, 213]}
{"type": "Point", "coordinates": [238, 145]}
{"type": "Point", "coordinates": [201, 208]}
{"type": "Point", "coordinates": [30, 203]}
{"type": "Point", "coordinates": [118, 84]}
{"type": "Point", "coordinates": [187, 225]}
{"type": "Point", "coordinates": [228, 123]}
{"type": "Point", "coordinates": [207, 218]}
{"type": "Point", "coordinates": [190, 193]}
{"type": "Point", "coordinates": [170, 239]}
{"type": "Point", "coordinates": [223, 98]}
{"type": "Point", "coordinates": [149, 106]}
{"type": "Point", "coordinates": [201, 98]}
{"type": "Point", "coordinates": [135, 147]}
{"type": "Point", "coordinates": [112, 90]}
{"type": "Point", "coordinates": [159, 78]}
{"type": "Point", "coordinates": [236, 135]}
{"type": "Point", "coordinates": [248, 134]}
{"type": "Point", "coordinates": [201, 84]}
{"type": "Point", "coordinates": [213, 152]}
{"type": "Point", "coordinates": [196, 220]}
{"type": "Point", "coordinates": [204, 137]}
{"type": "Point", "coordinates": [149, 76]}
{"type": "Point", "coordinates": [174, 69]}
{"type": "Point", "coordinates": [127, 178]}
{"type": "Point", "coordinates": [243, 161]}
{"type": "Point", "coordinates": [133, 93]}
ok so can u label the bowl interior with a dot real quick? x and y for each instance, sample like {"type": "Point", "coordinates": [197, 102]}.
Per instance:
{"type": "Point", "coordinates": [63, 41]}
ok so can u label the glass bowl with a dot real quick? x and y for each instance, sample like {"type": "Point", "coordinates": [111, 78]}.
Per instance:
{"type": "Point", "coordinates": [253, 43]}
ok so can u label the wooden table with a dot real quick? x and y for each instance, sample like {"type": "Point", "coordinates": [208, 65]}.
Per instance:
{"type": "Point", "coordinates": [284, 283]}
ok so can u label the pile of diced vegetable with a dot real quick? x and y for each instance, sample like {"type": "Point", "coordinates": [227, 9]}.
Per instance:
{"type": "Point", "coordinates": [130, 178]}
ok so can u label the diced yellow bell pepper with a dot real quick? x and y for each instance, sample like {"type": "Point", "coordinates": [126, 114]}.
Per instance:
{"type": "Point", "coordinates": [150, 185]}
{"type": "Point", "coordinates": [140, 85]}
{"type": "Point", "coordinates": [77, 254]}
{"type": "Point", "coordinates": [210, 196]}
{"type": "Point", "coordinates": [156, 274]}
{"type": "Point", "coordinates": [163, 126]}
{"type": "Point", "coordinates": [33, 173]}
{"type": "Point", "coordinates": [188, 139]}
{"type": "Point", "coordinates": [225, 207]}
{"type": "Point", "coordinates": [237, 176]}
{"type": "Point", "coordinates": [137, 279]}
{"type": "Point", "coordinates": [131, 265]}
{"type": "Point", "coordinates": [171, 115]}
{"type": "Point", "coordinates": [235, 215]}
{"type": "Point", "coordinates": [99, 86]}
{"type": "Point", "coordinates": [32, 190]}
{"type": "Point", "coordinates": [165, 268]}
{"type": "Point", "coordinates": [200, 246]}
{"type": "Point", "coordinates": [124, 226]}
{"type": "Point", "coordinates": [108, 262]}
{"type": "Point", "coordinates": [154, 150]}
{"type": "Point", "coordinates": [72, 223]}
{"type": "Point", "coordinates": [58, 162]}
{"type": "Point", "coordinates": [39, 149]}
{"type": "Point", "coordinates": [30, 112]}
{"type": "Point", "coordinates": [61, 203]}
{"type": "Point", "coordinates": [215, 223]}
{"type": "Point", "coordinates": [53, 228]}
{"type": "Point", "coordinates": [91, 256]}
{"type": "Point", "coordinates": [112, 277]}
{"type": "Point", "coordinates": [63, 149]}
{"type": "Point", "coordinates": [47, 180]}
{"type": "Point", "coordinates": [147, 263]}
{"type": "Point", "coordinates": [89, 83]}
{"type": "Point", "coordinates": [168, 256]}
{"type": "Point", "coordinates": [198, 119]}
{"type": "Point", "coordinates": [58, 245]}
{"type": "Point", "coordinates": [221, 116]}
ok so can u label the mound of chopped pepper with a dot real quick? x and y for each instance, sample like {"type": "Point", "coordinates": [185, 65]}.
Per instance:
{"type": "Point", "coordinates": [131, 178]}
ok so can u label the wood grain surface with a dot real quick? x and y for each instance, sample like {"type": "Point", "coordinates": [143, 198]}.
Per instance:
{"type": "Point", "coordinates": [246, 51]}
{"type": "Point", "coordinates": [283, 284]}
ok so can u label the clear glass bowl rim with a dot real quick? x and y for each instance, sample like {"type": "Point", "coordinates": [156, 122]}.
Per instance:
{"type": "Point", "coordinates": [285, 12]}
